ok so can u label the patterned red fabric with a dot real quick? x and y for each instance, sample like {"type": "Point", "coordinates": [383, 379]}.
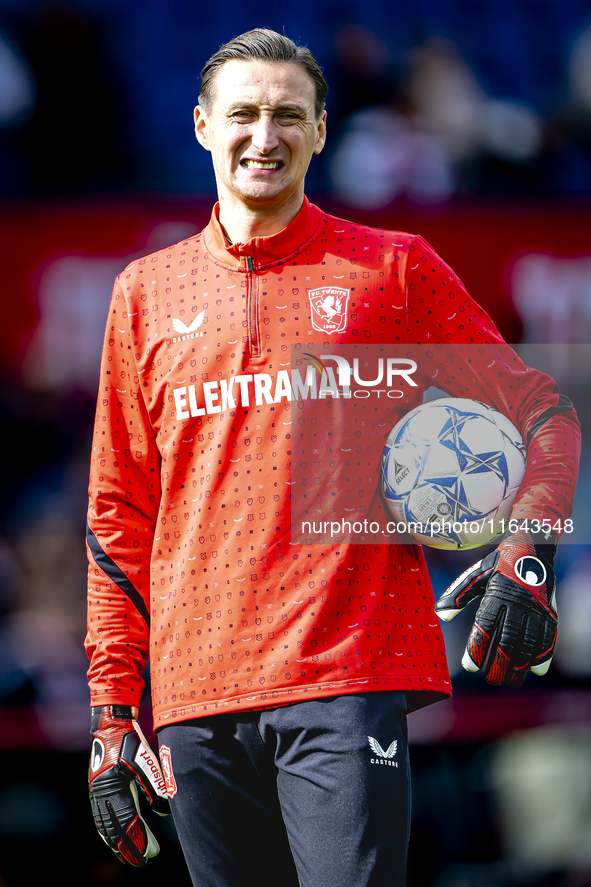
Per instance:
{"type": "Point", "coordinates": [190, 470]}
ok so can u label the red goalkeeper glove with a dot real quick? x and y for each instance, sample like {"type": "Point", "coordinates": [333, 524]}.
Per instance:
{"type": "Point", "coordinates": [516, 623]}
{"type": "Point", "coordinates": [121, 762]}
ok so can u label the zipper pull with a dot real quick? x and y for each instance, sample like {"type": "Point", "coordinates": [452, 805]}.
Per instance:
{"type": "Point", "coordinates": [249, 263]}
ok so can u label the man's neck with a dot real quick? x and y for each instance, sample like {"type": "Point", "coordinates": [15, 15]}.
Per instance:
{"type": "Point", "coordinates": [241, 222]}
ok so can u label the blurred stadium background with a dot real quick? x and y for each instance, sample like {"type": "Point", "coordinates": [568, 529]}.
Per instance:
{"type": "Point", "coordinates": [467, 121]}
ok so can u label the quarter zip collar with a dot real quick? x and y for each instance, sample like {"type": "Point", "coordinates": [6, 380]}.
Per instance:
{"type": "Point", "coordinates": [264, 252]}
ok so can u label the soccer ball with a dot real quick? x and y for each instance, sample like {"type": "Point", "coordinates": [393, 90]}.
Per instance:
{"type": "Point", "coordinates": [450, 472]}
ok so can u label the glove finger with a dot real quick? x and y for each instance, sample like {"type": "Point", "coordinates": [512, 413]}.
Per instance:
{"type": "Point", "coordinates": [476, 649]}
{"type": "Point", "coordinates": [464, 589]}
{"type": "Point", "coordinates": [102, 823]}
{"type": "Point", "coordinates": [499, 668]}
{"type": "Point", "coordinates": [517, 642]}
{"type": "Point", "coordinates": [138, 844]}
{"type": "Point", "coordinates": [135, 842]}
{"type": "Point", "coordinates": [523, 655]}
{"type": "Point", "coordinates": [517, 676]}
{"type": "Point", "coordinates": [541, 662]}
{"type": "Point", "coordinates": [483, 638]}
{"type": "Point", "coordinates": [541, 669]}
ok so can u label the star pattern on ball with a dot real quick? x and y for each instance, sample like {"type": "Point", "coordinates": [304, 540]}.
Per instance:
{"type": "Point", "coordinates": [469, 463]}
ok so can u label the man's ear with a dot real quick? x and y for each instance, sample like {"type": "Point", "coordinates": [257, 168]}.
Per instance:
{"type": "Point", "coordinates": [201, 127]}
{"type": "Point", "coordinates": [321, 134]}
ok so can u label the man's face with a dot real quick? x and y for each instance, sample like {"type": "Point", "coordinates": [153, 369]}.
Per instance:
{"type": "Point", "coordinates": [261, 131]}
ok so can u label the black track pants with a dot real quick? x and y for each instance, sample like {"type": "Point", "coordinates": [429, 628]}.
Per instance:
{"type": "Point", "coordinates": [315, 794]}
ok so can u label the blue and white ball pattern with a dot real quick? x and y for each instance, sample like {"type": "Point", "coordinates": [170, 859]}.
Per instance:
{"type": "Point", "coordinates": [450, 472]}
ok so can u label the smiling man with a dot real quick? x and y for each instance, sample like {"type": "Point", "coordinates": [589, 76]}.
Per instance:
{"type": "Point", "coordinates": [282, 673]}
{"type": "Point", "coordinates": [261, 124]}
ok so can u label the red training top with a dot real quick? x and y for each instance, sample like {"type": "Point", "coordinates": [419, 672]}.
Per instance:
{"type": "Point", "coordinates": [202, 395]}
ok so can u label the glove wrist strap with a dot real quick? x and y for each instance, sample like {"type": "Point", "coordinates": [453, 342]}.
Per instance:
{"type": "Point", "coordinates": [117, 712]}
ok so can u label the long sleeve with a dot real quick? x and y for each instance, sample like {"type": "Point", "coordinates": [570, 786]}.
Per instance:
{"type": "Point", "coordinates": [124, 495]}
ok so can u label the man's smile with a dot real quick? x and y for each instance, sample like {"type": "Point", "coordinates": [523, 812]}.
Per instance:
{"type": "Point", "coordinates": [261, 164]}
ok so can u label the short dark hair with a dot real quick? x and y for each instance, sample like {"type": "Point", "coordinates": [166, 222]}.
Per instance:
{"type": "Point", "coordinates": [262, 44]}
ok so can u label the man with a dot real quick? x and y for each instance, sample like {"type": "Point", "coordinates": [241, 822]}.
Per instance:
{"type": "Point", "coordinates": [281, 673]}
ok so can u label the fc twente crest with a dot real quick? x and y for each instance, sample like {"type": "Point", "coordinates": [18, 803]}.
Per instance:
{"type": "Point", "coordinates": [329, 308]}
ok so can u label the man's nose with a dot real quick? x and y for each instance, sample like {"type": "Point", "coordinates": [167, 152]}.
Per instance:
{"type": "Point", "coordinates": [264, 136]}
